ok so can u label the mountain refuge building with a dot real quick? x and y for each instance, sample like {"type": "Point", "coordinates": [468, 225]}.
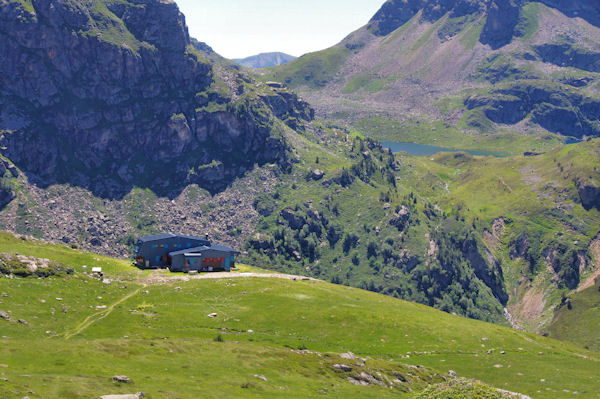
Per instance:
{"type": "Point", "coordinates": [180, 253]}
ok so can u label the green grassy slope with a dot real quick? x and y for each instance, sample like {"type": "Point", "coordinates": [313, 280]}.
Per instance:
{"type": "Point", "coordinates": [362, 225]}
{"type": "Point", "coordinates": [289, 332]}
{"type": "Point", "coordinates": [529, 211]}
{"type": "Point", "coordinates": [578, 319]}
{"type": "Point", "coordinates": [314, 70]}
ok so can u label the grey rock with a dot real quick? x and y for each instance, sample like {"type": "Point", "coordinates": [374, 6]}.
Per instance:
{"type": "Point", "coordinates": [317, 174]}
{"type": "Point", "coordinates": [4, 315]}
{"type": "Point", "coordinates": [138, 395]}
{"type": "Point", "coordinates": [589, 194]}
{"type": "Point", "coordinates": [295, 220]}
{"type": "Point", "coordinates": [502, 18]}
{"type": "Point", "coordinates": [357, 381]}
{"type": "Point", "coordinates": [566, 55]}
{"type": "Point", "coordinates": [343, 367]}
{"type": "Point", "coordinates": [261, 241]}
{"type": "Point", "coordinates": [260, 376]}
{"type": "Point", "coordinates": [556, 110]}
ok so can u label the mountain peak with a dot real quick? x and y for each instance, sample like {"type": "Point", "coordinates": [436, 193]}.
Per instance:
{"type": "Point", "coordinates": [265, 60]}
{"type": "Point", "coordinates": [504, 14]}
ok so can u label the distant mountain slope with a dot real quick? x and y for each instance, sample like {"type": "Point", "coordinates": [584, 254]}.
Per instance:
{"type": "Point", "coordinates": [265, 60]}
{"type": "Point", "coordinates": [478, 66]}
{"type": "Point", "coordinates": [111, 94]}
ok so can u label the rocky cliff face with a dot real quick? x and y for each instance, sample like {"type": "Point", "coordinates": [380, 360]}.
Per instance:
{"type": "Point", "coordinates": [112, 95]}
{"type": "Point", "coordinates": [502, 15]}
{"type": "Point", "coordinates": [502, 18]}
{"type": "Point", "coordinates": [395, 13]}
{"type": "Point", "coordinates": [554, 107]}
{"type": "Point", "coordinates": [589, 193]}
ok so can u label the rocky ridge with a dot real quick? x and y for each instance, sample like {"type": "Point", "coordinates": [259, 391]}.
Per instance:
{"type": "Point", "coordinates": [114, 95]}
{"type": "Point", "coordinates": [265, 60]}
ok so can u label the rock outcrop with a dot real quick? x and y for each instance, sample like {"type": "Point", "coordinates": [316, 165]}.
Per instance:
{"type": "Point", "coordinates": [114, 95]}
{"type": "Point", "coordinates": [395, 13]}
{"type": "Point", "coordinates": [487, 268]}
{"type": "Point", "coordinates": [551, 106]}
{"type": "Point", "coordinates": [502, 15]}
{"type": "Point", "coordinates": [502, 18]}
{"type": "Point", "coordinates": [6, 192]}
{"type": "Point", "coordinates": [567, 55]}
{"type": "Point", "coordinates": [589, 194]}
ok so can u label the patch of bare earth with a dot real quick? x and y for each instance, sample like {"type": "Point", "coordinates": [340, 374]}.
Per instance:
{"type": "Point", "coordinates": [531, 308]}
{"type": "Point", "coordinates": [595, 251]}
{"type": "Point", "coordinates": [529, 176]}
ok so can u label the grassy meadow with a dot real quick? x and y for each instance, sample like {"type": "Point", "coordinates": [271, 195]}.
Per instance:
{"type": "Point", "coordinates": [270, 338]}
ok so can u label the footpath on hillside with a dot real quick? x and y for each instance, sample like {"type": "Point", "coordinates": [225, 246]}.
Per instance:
{"type": "Point", "coordinates": [160, 276]}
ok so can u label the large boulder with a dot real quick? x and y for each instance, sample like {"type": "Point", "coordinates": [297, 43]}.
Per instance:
{"type": "Point", "coordinates": [589, 193]}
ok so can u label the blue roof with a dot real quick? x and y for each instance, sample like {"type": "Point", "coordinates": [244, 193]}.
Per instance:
{"type": "Point", "coordinates": [223, 248]}
{"type": "Point", "coordinates": [157, 237]}
{"type": "Point", "coordinates": [220, 248]}
{"type": "Point", "coordinates": [189, 250]}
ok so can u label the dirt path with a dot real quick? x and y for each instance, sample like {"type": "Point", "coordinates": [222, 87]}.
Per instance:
{"type": "Point", "coordinates": [161, 277]}
{"type": "Point", "coordinates": [91, 319]}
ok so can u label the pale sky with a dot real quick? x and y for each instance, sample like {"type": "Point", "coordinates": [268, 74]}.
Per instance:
{"type": "Point", "coordinates": [240, 28]}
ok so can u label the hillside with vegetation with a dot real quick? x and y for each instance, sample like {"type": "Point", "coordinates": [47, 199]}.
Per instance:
{"type": "Point", "coordinates": [462, 74]}
{"type": "Point", "coordinates": [505, 240]}
{"type": "Point", "coordinates": [169, 336]}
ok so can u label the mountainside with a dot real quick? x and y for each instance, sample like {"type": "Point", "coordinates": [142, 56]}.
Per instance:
{"type": "Point", "coordinates": [109, 95]}
{"type": "Point", "coordinates": [149, 134]}
{"type": "Point", "coordinates": [462, 72]}
{"type": "Point", "coordinates": [70, 334]}
{"type": "Point", "coordinates": [265, 60]}
{"type": "Point", "coordinates": [576, 318]}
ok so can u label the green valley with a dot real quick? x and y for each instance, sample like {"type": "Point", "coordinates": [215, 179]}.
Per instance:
{"type": "Point", "coordinates": [361, 272]}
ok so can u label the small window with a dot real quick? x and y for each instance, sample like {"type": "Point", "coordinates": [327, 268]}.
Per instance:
{"type": "Point", "coordinates": [166, 245]}
{"type": "Point", "coordinates": [158, 258]}
{"type": "Point", "coordinates": [178, 245]}
{"type": "Point", "coordinates": [189, 245]}
{"type": "Point", "coordinates": [153, 245]}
